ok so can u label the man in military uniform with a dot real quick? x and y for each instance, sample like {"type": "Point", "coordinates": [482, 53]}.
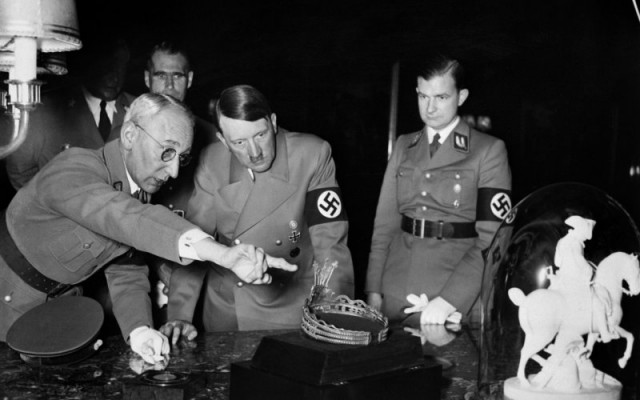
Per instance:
{"type": "Point", "coordinates": [78, 215]}
{"type": "Point", "coordinates": [274, 189]}
{"type": "Point", "coordinates": [445, 191]}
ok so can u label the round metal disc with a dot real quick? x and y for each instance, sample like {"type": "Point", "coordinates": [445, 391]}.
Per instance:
{"type": "Point", "coordinates": [164, 378]}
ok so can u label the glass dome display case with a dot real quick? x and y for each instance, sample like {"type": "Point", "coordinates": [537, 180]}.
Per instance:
{"type": "Point", "coordinates": [523, 264]}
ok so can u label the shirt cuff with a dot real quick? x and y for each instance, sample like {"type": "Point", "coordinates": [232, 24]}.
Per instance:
{"type": "Point", "coordinates": [186, 241]}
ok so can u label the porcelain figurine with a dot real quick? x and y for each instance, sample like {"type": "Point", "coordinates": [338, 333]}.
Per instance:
{"type": "Point", "coordinates": [581, 300]}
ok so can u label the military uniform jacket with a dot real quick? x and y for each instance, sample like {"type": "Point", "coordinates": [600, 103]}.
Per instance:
{"type": "Point", "coordinates": [77, 216]}
{"type": "Point", "coordinates": [293, 210]}
{"type": "Point", "coordinates": [468, 180]}
{"type": "Point", "coordinates": [63, 120]}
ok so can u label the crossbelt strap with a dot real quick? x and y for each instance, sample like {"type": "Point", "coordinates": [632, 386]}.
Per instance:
{"type": "Point", "coordinates": [18, 264]}
{"type": "Point", "coordinates": [423, 228]}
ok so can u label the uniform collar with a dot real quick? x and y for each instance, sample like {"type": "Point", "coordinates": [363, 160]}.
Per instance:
{"type": "Point", "coordinates": [445, 132]}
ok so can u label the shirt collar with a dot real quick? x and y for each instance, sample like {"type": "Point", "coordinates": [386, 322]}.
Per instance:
{"type": "Point", "coordinates": [444, 133]}
{"type": "Point", "coordinates": [94, 105]}
{"type": "Point", "coordinates": [134, 187]}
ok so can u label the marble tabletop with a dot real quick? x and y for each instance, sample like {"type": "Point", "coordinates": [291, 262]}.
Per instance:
{"type": "Point", "coordinates": [111, 373]}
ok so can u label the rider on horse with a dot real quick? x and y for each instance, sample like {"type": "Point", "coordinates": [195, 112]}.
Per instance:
{"type": "Point", "coordinates": [574, 278]}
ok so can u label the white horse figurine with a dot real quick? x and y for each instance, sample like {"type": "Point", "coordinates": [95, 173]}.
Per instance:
{"type": "Point", "coordinates": [547, 313]}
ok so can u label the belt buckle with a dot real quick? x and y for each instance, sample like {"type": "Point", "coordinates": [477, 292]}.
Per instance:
{"type": "Point", "coordinates": [418, 232]}
{"type": "Point", "coordinates": [440, 230]}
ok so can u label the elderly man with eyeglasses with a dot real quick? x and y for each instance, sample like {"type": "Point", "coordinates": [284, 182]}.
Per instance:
{"type": "Point", "coordinates": [78, 216]}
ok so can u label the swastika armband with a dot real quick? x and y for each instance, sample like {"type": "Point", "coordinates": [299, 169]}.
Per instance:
{"type": "Point", "coordinates": [324, 205]}
{"type": "Point", "coordinates": [493, 204]}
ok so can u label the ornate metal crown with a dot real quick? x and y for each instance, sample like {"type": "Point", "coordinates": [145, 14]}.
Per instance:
{"type": "Point", "coordinates": [328, 318]}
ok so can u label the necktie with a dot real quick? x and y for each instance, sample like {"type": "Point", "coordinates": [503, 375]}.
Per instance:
{"type": "Point", "coordinates": [141, 195]}
{"type": "Point", "coordinates": [104, 126]}
{"type": "Point", "coordinates": [435, 144]}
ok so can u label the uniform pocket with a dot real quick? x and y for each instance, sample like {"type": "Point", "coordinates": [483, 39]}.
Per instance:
{"type": "Point", "coordinates": [77, 249]}
{"type": "Point", "coordinates": [456, 187]}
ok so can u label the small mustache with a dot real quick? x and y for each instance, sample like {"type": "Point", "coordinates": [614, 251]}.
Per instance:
{"type": "Point", "coordinates": [257, 158]}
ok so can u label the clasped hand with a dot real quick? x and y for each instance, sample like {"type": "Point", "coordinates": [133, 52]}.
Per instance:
{"type": "Point", "coordinates": [251, 264]}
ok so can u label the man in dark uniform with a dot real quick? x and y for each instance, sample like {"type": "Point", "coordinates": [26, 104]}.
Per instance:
{"type": "Point", "coordinates": [79, 215]}
{"type": "Point", "coordinates": [274, 189]}
{"type": "Point", "coordinates": [445, 191]}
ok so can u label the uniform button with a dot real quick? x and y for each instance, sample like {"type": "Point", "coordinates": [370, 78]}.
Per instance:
{"type": "Point", "coordinates": [237, 241]}
{"type": "Point", "coordinates": [7, 299]}
{"type": "Point", "coordinates": [278, 242]}
{"type": "Point", "coordinates": [401, 173]}
{"type": "Point", "coordinates": [170, 206]}
{"type": "Point", "coordinates": [423, 193]}
{"type": "Point", "coordinates": [457, 188]}
{"type": "Point", "coordinates": [457, 176]}
{"type": "Point", "coordinates": [456, 204]}
{"type": "Point", "coordinates": [424, 208]}
{"type": "Point", "coordinates": [240, 284]}
{"type": "Point", "coordinates": [86, 246]}
{"type": "Point", "coordinates": [427, 175]}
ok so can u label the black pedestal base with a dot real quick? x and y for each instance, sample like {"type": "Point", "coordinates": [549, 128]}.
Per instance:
{"type": "Point", "coordinates": [419, 382]}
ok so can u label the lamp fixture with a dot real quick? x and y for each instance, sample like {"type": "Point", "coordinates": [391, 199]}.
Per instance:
{"type": "Point", "coordinates": [26, 27]}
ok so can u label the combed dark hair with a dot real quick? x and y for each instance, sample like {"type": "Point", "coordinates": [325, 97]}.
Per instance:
{"type": "Point", "coordinates": [242, 102]}
{"type": "Point", "coordinates": [169, 47]}
{"type": "Point", "coordinates": [440, 64]}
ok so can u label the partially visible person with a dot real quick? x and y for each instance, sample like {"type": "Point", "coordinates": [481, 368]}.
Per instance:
{"type": "Point", "coordinates": [169, 72]}
{"type": "Point", "coordinates": [87, 114]}
{"type": "Point", "coordinates": [445, 192]}
{"type": "Point", "coordinates": [86, 210]}
{"type": "Point", "coordinates": [271, 188]}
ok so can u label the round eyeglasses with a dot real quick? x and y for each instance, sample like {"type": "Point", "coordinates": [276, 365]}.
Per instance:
{"type": "Point", "coordinates": [168, 153]}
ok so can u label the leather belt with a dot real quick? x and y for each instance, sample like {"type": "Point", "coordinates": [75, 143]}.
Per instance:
{"type": "Point", "coordinates": [422, 228]}
{"type": "Point", "coordinates": [27, 272]}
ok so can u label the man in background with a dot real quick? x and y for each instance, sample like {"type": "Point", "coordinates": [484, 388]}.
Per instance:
{"type": "Point", "coordinates": [169, 72]}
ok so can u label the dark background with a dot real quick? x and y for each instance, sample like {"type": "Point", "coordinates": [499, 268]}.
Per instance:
{"type": "Point", "coordinates": [560, 80]}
